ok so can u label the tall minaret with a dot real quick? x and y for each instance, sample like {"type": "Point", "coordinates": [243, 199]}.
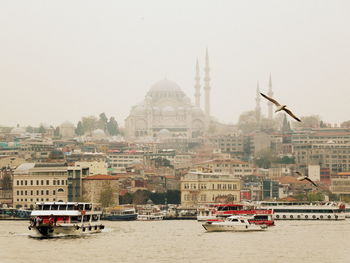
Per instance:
{"type": "Point", "coordinates": [257, 107]}
{"type": "Point", "coordinates": [207, 85]}
{"type": "Point", "coordinates": [269, 104]}
{"type": "Point", "coordinates": [197, 87]}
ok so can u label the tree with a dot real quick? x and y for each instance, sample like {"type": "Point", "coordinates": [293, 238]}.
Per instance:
{"type": "Point", "coordinates": [30, 129]}
{"type": "Point", "coordinates": [107, 196]}
{"type": "Point", "coordinates": [125, 199]}
{"type": "Point", "coordinates": [42, 129]}
{"type": "Point", "coordinates": [102, 122]}
{"type": "Point", "coordinates": [80, 129]}
{"type": "Point", "coordinates": [56, 132]}
{"type": "Point", "coordinates": [141, 197]}
{"type": "Point", "coordinates": [264, 159]}
{"type": "Point", "coordinates": [6, 182]}
{"type": "Point", "coordinates": [89, 123]}
{"type": "Point", "coordinates": [112, 127]}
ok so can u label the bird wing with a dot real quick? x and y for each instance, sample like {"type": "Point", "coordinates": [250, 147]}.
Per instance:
{"type": "Point", "coordinates": [308, 179]}
{"type": "Point", "coordinates": [291, 114]}
{"type": "Point", "coordinates": [298, 173]}
{"type": "Point", "coordinates": [270, 99]}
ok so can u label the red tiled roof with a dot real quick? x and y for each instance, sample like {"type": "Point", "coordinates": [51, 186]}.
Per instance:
{"type": "Point", "coordinates": [101, 177]}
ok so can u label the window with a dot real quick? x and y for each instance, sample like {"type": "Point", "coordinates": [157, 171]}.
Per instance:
{"type": "Point", "coordinates": [53, 192]}
{"type": "Point", "coordinates": [47, 192]}
{"type": "Point", "coordinates": [42, 182]}
{"type": "Point", "coordinates": [31, 182]}
{"type": "Point", "coordinates": [62, 182]}
{"type": "Point", "coordinates": [25, 182]}
{"type": "Point", "coordinates": [31, 192]}
{"type": "Point", "coordinates": [47, 182]}
{"type": "Point", "coordinates": [17, 192]}
{"type": "Point", "coordinates": [54, 182]}
{"type": "Point", "coordinates": [37, 182]}
{"type": "Point", "coordinates": [21, 182]}
{"type": "Point", "coordinates": [25, 192]}
{"type": "Point", "coordinates": [60, 190]}
{"type": "Point", "coordinates": [37, 193]}
{"type": "Point", "coordinates": [58, 182]}
{"type": "Point", "coordinates": [42, 193]}
{"type": "Point", "coordinates": [17, 182]}
{"type": "Point", "coordinates": [21, 192]}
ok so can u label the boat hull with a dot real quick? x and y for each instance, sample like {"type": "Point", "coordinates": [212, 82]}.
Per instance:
{"type": "Point", "coordinates": [50, 231]}
{"type": "Point", "coordinates": [235, 228]}
{"type": "Point", "coordinates": [120, 217]}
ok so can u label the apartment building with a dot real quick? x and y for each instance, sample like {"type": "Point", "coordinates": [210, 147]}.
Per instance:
{"type": "Point", "coordinates": [198, 188]}
{"type": "Point", "coordinates": [46, 182]}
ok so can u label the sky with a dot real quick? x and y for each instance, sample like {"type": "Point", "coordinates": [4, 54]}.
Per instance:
{"type": "Point", "coordinates": [62, 60]}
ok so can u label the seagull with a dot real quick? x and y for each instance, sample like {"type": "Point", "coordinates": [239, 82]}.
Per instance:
{"type": "Point", "coordinates": [281, 107]}
{"type": "Point", "coordinates": [304, 177]}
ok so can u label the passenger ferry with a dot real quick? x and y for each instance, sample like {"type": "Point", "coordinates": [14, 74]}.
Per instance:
{"type": "Point", "coordinates": [120, 214]}
{"type": "Point", "coordinates": [305, 210]}
{"type": "Point", "coordinates": [65, 218]}
{"type": "Point", "coordinates": [258, 215]}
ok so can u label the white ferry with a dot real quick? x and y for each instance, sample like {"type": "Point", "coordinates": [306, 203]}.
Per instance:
{"type": "Point", "coordinates": [61, 218]}
{"type": "Point", "coordinates": [305, 210]}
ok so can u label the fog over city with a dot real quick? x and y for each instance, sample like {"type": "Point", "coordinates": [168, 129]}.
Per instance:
{"type": "Point", "coordinates": [61, 60]}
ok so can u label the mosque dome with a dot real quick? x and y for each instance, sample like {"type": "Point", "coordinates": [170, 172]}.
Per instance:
{"type": "Point", "coordinates": [165, 89]}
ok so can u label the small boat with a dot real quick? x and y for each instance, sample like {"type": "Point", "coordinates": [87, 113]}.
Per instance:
{"type": "Point", "coordinates": [233, 223]}
{"type": "Point", "coordinates": [65, 218]}
{"type": "Point", "coordinates": [120, 214]}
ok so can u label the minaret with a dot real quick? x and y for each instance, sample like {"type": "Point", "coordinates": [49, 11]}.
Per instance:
{"type": "Point", "coordinates": [207, 85]}
{"type": "Point", "coordinates": [257, 107]}
{"type": "Point", "coordinates": [197, 87]}
{"type": "Point", "coordinates": [269, 104]}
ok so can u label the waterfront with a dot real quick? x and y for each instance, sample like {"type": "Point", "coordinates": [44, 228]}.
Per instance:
{"type": "Point", "coordinates": [181, 241]}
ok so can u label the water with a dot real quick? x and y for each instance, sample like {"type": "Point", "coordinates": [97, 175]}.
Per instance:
{"type": "Point", "coordinates": [181, 241]}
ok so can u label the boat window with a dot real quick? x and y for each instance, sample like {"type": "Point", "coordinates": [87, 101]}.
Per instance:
{"type": "Point", "coordinates": [70, 207]}
{"type": "Point", "coordinates": [242, 221]}
{"type": "Point", "coordinates": [234, 220]}
{"type": "Point", "coordinates": [86, 218]}
{"type": "Point", "coordinates": [87, 207]}
{"type": "Point", "coordinates": [63, 207]}
{"type": "Point", "coordinates": [75, 219]}
{"type": "Point", "coordinates": [81, 207]}
{"type": "Point", "coordinates": [46, 207]}
{"type": "Point", "coordinates": [54, 207]}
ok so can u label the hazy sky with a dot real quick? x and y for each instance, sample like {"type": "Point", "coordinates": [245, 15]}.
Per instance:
{"type": "Point", "coordinates": [61, 60]}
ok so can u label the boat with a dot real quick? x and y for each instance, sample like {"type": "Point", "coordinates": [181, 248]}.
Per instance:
{"type": "Point", "coordinates": [120, 214]}
{"type": "Point", "coordinates": [347, 211]}
{"type": "Point", "coordinates": [306, 210]}
{"type": "Point", "coordinates": [149, 213]}
{"type": "Point", "coordinates": [10, 213]}
{"type": "Point", "coordinates": [233, 223]}
{"type": "Point", "coordinates": [65, 218]}
{"type": "Point", "coordinates": [258, 215]}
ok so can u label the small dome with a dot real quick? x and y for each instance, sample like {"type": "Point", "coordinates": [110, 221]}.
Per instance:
{"type": "Point", "coordinates": [164, 133]}
{"type": "Point", "coordinates": [98, 133]}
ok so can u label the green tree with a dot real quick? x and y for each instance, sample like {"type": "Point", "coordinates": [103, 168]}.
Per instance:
{"type": "Point", "coordinates": [6, 182]}
{"type": "Point", "coordinates": [89, 123]}
{"type": "Point", "coordinates": [56, 132]}
{"type": "Point", "coordinates": [102, 122]}
{"type": "Point", "coordinates": [141, 197]}
{"type": "Point", "coordinates": [112, 127]}
{"type": "Point", "coordinates": [173, 196]}
{"type": "Point", "coordinates": [125, 199]}
{"type": "Point", "coordinates": [80, 129]}
{"type": "Point", "coordinates": [30, 129]}
{"type": "Point", "coordinates": [107, 196]}
{"type": "Point", "coordinates": [264, 159]}
{"type": "Point", "coordinates": [42, 129]}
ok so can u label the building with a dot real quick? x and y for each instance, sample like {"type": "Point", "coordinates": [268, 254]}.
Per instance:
{"type": "Point", "coordinates": [230, 166]}
{"type": "Point", "coordinates": [270, 189]}
{"type": "Point", "coordinates": [95, 167]}
{"type": "Point", "coordinates": [340, 185]}
{"type": "Point", "coordinates": [67, 130]}
{"type": "Point", "coordinates": [166, 112]}
{"type": "Point", "coordinates": [230, 143]}
{"type": "Point", "coordinates": [95, 185]}
{"type": "Point", "coordinates": [46, 182]}
{"type": "Point", "coordinates": [199, 188]}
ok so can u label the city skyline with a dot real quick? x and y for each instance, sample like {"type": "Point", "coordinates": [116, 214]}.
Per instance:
{"type": "Point", "coordinates": [92, 58]}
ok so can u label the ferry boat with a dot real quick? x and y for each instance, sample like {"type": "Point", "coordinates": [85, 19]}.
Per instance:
{"type": "Point", "coordinates": [10, 213]}
{"type": "Point", "coordinates": [120, 214]}
{"type": "Point", "coordinates": [65, 218]}
{"type": "Point", "coordinates": [150, 213]}
{"type": "Point", "coordinates": [305, 210]}
{"type": "Point", "coordinates": [258, 215]}
{"type": "Point", "coordinates": [233, 223]}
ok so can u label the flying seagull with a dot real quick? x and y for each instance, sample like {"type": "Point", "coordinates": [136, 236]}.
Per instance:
{"type": "Point", "coordinates": [304, 177]}
{"type": "Point", "coordinates": [280, 107]}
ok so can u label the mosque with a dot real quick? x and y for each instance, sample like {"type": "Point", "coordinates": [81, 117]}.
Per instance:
{"type": "Point", "coordinates": [166, 111]}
